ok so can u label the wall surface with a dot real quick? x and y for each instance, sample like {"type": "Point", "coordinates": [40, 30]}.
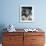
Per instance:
{"type": "Point", "coordinates": [10, 10]}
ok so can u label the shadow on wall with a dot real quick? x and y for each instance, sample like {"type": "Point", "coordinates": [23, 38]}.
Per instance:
{"type": "Point", "coordinates": [2, 26]}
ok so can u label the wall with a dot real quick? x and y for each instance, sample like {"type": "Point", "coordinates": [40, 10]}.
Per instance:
{"type": "Point", "coordinates": [10, 13]}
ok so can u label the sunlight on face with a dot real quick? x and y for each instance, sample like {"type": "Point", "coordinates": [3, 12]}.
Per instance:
{"type": "Point", "coordinates": [44, 44]}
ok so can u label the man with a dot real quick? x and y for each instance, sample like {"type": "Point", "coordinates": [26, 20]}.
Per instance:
{"type": "Point", "coordinates": [26, 13]}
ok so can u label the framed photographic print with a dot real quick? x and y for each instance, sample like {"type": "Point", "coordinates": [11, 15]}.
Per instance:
{"type": "Point", "coordinates": [26, 13]}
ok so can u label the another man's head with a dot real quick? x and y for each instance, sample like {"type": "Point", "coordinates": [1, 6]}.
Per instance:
{"type": "Point", "coordinates": [26, 11]}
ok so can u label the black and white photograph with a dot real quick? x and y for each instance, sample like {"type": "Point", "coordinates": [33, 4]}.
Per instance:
{"type": "Point", "coordinates": [26, 13]}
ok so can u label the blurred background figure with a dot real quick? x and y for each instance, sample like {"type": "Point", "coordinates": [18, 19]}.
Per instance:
{"type": "Point", "coordinates": [26, 13]}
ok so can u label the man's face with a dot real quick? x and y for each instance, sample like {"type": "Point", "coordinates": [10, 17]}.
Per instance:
{"type": "Point", "coordinates": [27, 12]}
